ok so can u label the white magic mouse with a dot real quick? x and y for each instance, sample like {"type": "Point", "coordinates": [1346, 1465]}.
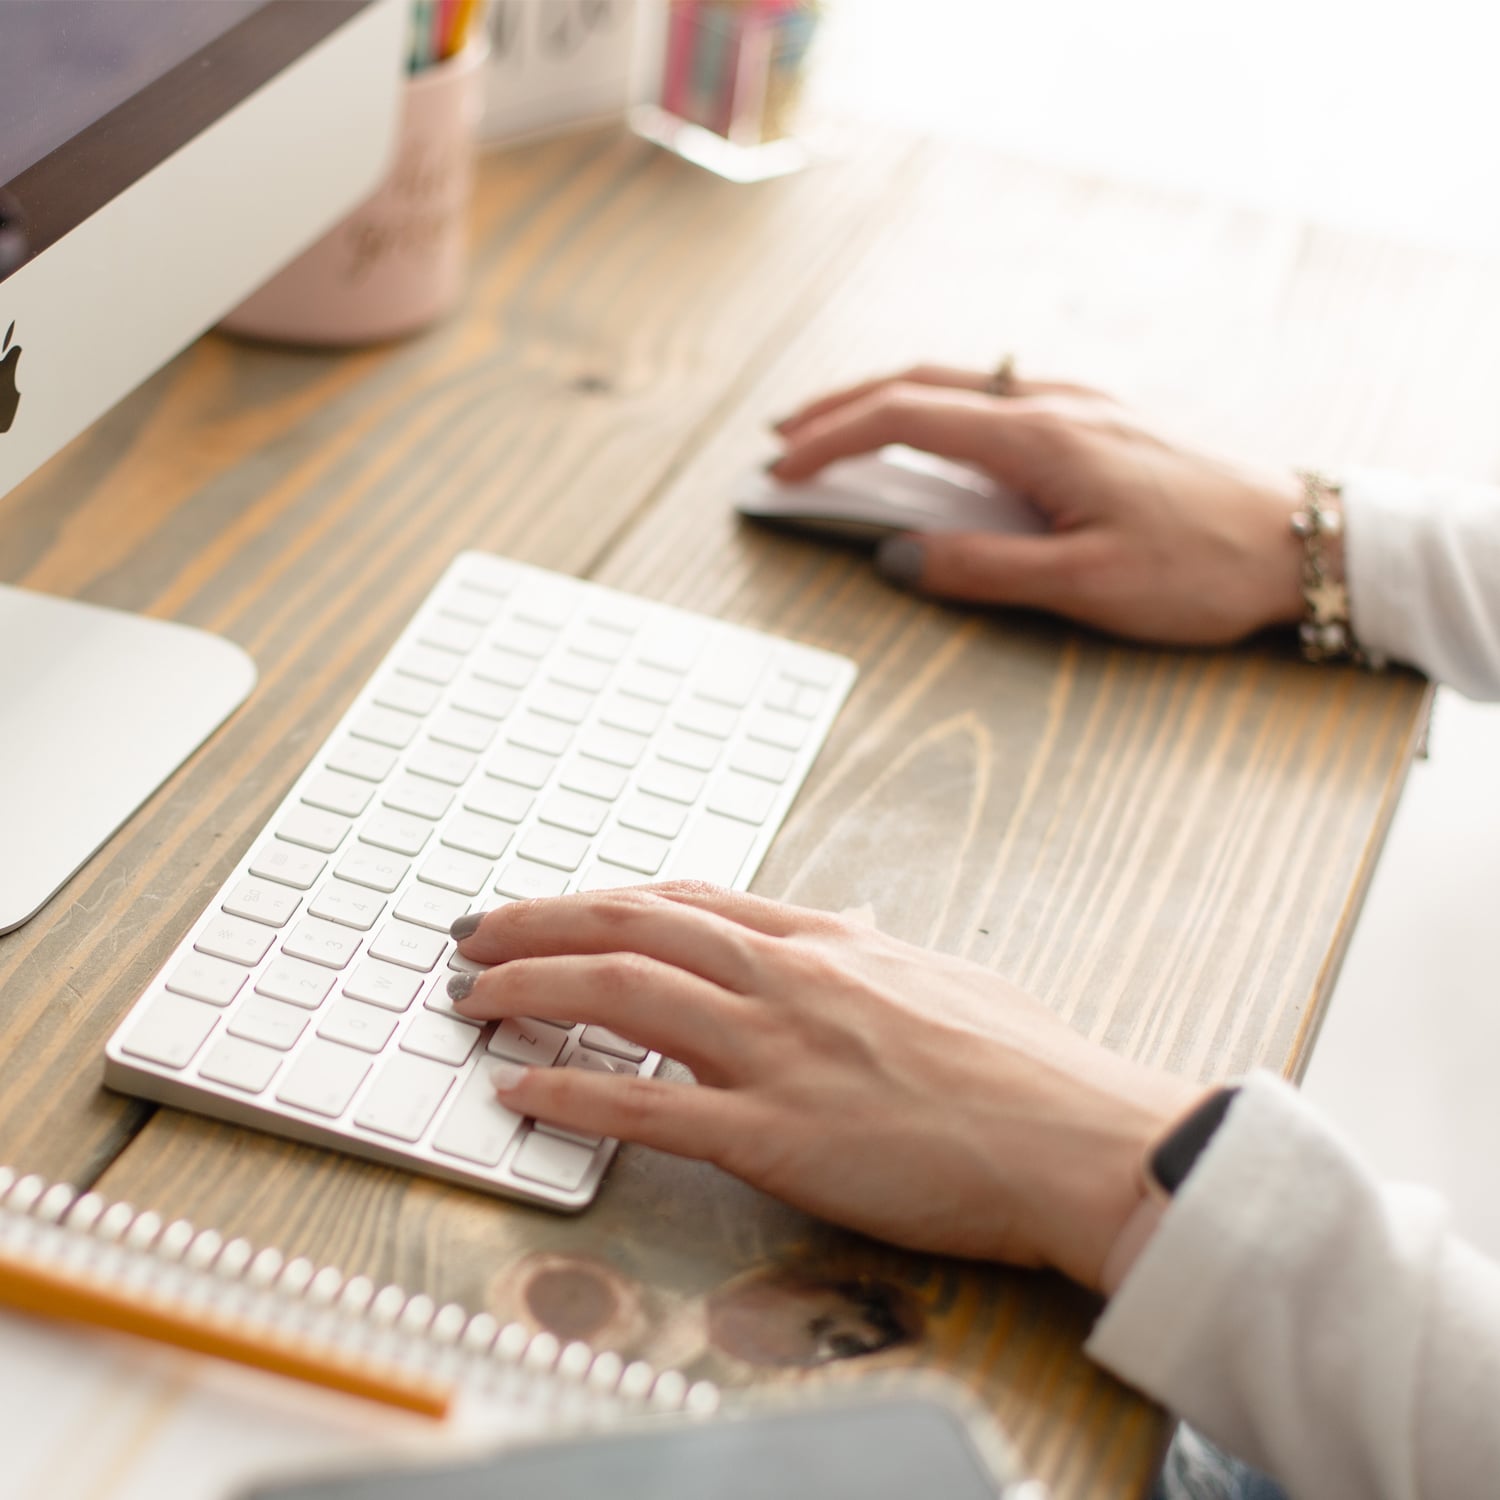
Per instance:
{"type": "Point", "coordinates": [869, 498]}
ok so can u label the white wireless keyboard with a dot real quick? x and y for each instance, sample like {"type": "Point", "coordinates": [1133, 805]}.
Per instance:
{"type": "Point", "coordinates": [529, 734]}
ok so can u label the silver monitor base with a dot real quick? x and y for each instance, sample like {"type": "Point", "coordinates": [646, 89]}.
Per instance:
{"type": "Point", "coordinates": [97, 709]}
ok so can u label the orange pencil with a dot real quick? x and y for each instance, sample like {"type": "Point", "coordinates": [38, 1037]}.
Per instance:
{"type": "Point", "coordinates": [38, 1289]}
{"type": "Point", "coordinates": [459, 33]}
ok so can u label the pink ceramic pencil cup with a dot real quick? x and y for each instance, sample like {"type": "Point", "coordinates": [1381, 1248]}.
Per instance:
{"type": "Point", "coordinates": [398, 262]}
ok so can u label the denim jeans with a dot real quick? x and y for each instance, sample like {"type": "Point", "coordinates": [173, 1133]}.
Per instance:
{"type": "Point", "coordinates": [1196, 1470]}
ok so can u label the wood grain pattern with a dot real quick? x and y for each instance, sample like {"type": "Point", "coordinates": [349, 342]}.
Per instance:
{"type": "Point", "coordinates": [1168, 846]}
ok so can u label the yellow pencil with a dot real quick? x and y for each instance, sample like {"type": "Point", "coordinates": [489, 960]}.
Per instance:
{"type": "Point", "coordinates": [38, 1289]}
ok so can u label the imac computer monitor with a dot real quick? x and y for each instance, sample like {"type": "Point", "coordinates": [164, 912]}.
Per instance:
{"type": "Point", "coordinates": [159, 159]}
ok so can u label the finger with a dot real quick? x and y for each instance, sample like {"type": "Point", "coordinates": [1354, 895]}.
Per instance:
{"type": "Point", "coordinates": [771, 918]}
{"type": "Point", "coordinates": [652, 1004]}
{"type": "Point", "coordinates": [1030, 572]}
{"type": "Point", "coordinates": [1002, 437]}
{"type": "Point", "coordinates": [631, 919]}
{"type": "Point", "coordinates": [681, 1118]}
{"type": "Point", "coordinates": [936, 375]}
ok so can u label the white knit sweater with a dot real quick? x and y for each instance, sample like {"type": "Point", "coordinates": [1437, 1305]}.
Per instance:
{"type": "Point", "coordinates": [1330, 1329]}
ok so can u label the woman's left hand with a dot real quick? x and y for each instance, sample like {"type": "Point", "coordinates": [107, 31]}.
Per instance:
{"type": "Point", "coordinates": [903, 1093]}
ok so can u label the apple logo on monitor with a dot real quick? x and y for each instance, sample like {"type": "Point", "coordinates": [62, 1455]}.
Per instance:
{"type": "Point", "coordinates": [10, 395]}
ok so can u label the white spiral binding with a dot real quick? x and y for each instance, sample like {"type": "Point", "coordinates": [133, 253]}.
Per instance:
{"type": "Point", "coordinates": [112, 1245]}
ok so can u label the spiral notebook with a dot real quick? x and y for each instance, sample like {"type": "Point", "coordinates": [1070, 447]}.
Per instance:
{"type": "Point", "coordinates": [88, 1411]}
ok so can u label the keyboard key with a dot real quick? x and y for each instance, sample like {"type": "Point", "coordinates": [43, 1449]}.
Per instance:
{"type": "Point", "coordinates": [765, 761]}
{"type": "Point", "coordinates": [349, 905]}
{"type": "Point", "coordinates": [653, 815]}
{"type": "Point", "coordinates": [457, 872]}
{"type": "Point", "coordinates": [553, 1161]}
{"type": "Point", "coordinates": [742, 797]}
{"type": "Point", "coordinates": [379, 869]}
{"type": "Point", "coordinates": [404, 1098]}
{"type": "Point", "coordinates": [617, 747]}
{"type": "Point", "coordinates": [272, 1023]}
{"type": "Point", "coordinates": [730, 673]}
{"type": "Point", "coordinates": [449, 634]}
{"type": "Point", "coordinates": [635, 851]}
{"type": "Point", "coordinates": [567, 705]}
{"type": "Point", "coordinates": [441, 763]}
{"type": "Point", "coordinates": [436, 999]}
{"type": "Point", "coordinates": [703, 717]}
{"type": "Point", "coordinates": [523, 638]}
{"type": "Point", "coordinates": [648, 683]}
{"type": "Point", "coordinates": [320, 942]}
{"type": "Point", "coordinates": [475, 834]}
{"type": "Point", "coordinates": [430, 664]}
{"type": "Point", "coordinates": [470, 604]}
{"type": "Point", "coordinates": [357, 1025]}
{"type": "Point", "coordinates": [532, 732]}
{"type": "Point", "coordinates": [169, 1030]}
{"type": "Point", "coordinates": [407, 694]}
{"type": "Point", "coordinates": [485, 698]}
{"type": "Point", "coordinates": [524, 767]}
{"type": "Point", "coordinates": [675, 783]}
{"type": "Point", "coordinates": [477, 1127]}
{"type": "Point", "coordinates": [781, 695]}
{"type": "Point", "coordinates": [809, 702]}
{"type": "Point", "coordinates": [503, 668]}
{"type": "Point", "coordinates": [593, 778]}
{"type": "Point", "coordinates": [528, 1042]}
{"type": "Point", "coordinates": [362, 758]}
{"type": "Point", "coordinates": [242, 1065]}
{"type": "Point", "coordinates": [600, 643]}
{"type": "Point", "coordinates": [811, 667]}
{"type": "Point", "coordinates": [418, 796]}
{"type": "Point", "coordinates": [264, 901]}
{"type": "Point", "coordinates": [430, 906]}
{"type": "Point", "coordinates": [634, 714]}
{"type": "Point", "coordinates": [684, 748]}
{"type": "Point", "coordinates": [554, 846]}
{"type": "Point", "coordinates": [324, 1078]}
{"type": "Point", "coordinates": [606, 877]}
{"type": "Point", "coordinates": [313, 829]}
{"type": "Point", "coordinates": [671, 643]}
{"type": "Point", "coordinates": [575, 671]}
{"type": "Point", "coordinates": [494, 798]}
{"type": "Point", "coordinates": [204, 978]}
{"type": "Point", "coordinates": [603, 1040]}
{"type": "Point", "coordinates": [598, 1062]}
{"type": "Point", "coordinates": [234, 938]}
{"type": "Point", "coordinates": [462, 731]}
{"type": "Point", "coordinates": [295, 980]}
{"type": "Point", "coordinates": [540, 604]}
{"type": "Point", "coordinates": [335, 792]}
{"type": "Point", "coordinates": [442, 1039]}
{"type": "Point", "coordinates": [785, 731]}
{"type": "Point", "coordinates": [383, 984]}
{"type": "Point", "coordinates": [574, 811]}
{"type": "Point", "coordinates": [287, 863]}
{"type": "Point", "coordinates": [411, 947]}
{"type": "Point", "coordinates": [525, 881]}
{"type": "Point", "coordinates": [398, 832]}
{"type": "Point", "coordinates": [386, 726]}
{"type": "Point", "coordinates": [713, 848]}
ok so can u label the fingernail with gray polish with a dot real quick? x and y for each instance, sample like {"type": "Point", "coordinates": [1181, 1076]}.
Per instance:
{"type": "Point", "coordinates": [899, 559]}
{"type": "Point", "coordinates": [506, 1075]}
{"type": "Point", "coordinates": [467, 926]}
{"type": "Point", "coordinates": [459, 986]}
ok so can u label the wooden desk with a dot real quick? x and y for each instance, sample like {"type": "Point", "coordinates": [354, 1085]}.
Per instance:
{"type": "Point", "coordinates": [1170, 847]}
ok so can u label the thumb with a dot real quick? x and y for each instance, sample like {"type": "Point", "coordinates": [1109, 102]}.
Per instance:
{"type": "Point", "coordinates": [1031, 572]}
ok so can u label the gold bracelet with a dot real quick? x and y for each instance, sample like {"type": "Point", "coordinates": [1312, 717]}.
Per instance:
{"type": "Point", "coordinates": [1326, 632]}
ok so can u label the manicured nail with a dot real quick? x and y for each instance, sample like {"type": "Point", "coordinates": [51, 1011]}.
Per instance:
{"type": "Point", "coordinates": [899, 559]}
{"type": "Point", "coordinates": [778, 423]}
{"type": "Point", "coordinates": [459, 986]}
{"type": "Point", "coordinates": [467, 926]}
{"type": "Point", "coordinates": [772, 464]}
{"type": "Point", "coordinates": [507, 1075]}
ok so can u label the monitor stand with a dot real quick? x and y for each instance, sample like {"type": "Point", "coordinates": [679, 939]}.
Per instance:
{"type": "Point", "coordinates": [97, 709]}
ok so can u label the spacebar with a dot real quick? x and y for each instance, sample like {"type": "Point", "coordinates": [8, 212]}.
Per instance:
{"type": "Point", "coordinates": [713, 849]}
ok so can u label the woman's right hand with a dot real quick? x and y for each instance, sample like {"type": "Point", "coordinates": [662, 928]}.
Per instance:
{"type": "Point", "coordinates": [1148, 538]}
